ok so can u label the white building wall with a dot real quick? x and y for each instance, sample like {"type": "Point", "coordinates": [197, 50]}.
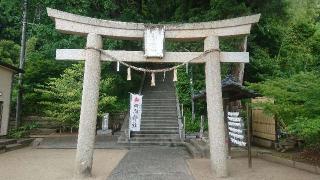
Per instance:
{"type": "Point", "coordinates": [5, 94]}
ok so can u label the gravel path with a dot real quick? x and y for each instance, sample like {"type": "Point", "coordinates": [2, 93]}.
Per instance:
{"type": "Point", "coordinates": [158, 163]}
{"type": "Point", "coordinates": [52, 164]}
{"type": "Point", "coordinates": [238, 169]}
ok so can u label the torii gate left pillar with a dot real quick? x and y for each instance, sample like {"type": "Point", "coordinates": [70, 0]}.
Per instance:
{"type": "Point", "coordinates": [207, 31]}
{"type": "Point", "coordinates": [89, 108]}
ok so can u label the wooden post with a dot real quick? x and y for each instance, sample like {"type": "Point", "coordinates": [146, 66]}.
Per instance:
{"type": "Point", "coordinates": [249, 135]}
{"type": "Point", "coordinates": [217, 136]}
{"type": "Point", "coordinates": [227, 103]}
{"type": "Point", "coordinates": [89, 108]}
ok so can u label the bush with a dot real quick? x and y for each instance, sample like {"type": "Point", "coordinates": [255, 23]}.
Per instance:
{"type": "Point", "coordinates": [22, 131]}
{"type": "Point", "coordinates": [296, 104]}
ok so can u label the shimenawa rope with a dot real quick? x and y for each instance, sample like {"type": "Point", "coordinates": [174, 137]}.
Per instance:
{"type": "Point", "coordinates": [152, 70]}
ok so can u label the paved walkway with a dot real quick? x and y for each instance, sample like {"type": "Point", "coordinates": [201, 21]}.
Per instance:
{"type": "Point", "coordinates": [153, 163]}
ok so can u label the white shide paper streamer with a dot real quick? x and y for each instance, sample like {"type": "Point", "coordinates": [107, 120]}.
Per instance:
{"type": "Point", "coordinates": [238, 131]}
{"type": "Point", "coordinates": [235, 119]}
{"type": "Point", "coordinates": [238, 136]}
{"type": "Point", "coordinates": [237, 142]}
{"type": "Point", "coordinates": [236, 124]}
{"type": "Point", "coordinates": [233, 114]}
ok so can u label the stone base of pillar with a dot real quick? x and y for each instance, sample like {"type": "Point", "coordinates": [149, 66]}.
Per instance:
{"type": "Point", "coordinates": [104, 132]}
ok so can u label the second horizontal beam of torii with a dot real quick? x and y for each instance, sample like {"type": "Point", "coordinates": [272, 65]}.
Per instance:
{"type": "Point", "coordinates": [138, 56]}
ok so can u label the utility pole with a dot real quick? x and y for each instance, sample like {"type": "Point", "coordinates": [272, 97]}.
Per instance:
{"type": "Point", "coordinates": [21, 63]}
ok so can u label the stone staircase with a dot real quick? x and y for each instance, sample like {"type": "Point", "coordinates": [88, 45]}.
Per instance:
{"type": "Point", "coordinates": [159, 124]}
{"type": "Point", "coordinates": [13, 144]}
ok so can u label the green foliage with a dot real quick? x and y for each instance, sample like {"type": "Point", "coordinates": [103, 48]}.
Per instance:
{"type": "Point", "coordinates": [22, 131]}
{"type": "Point", "coordinates": [194, 125]}
{"type": "Point", "coordinates": [296, 103]}
{"type": "Point", "coordinates": [307, 129]}
{"type": "Point", "coordinates": [62, 96]}
{"type": "Point", "coordinates": [284, 43]}
{"type": "Point", "coordinates": [9, 52]}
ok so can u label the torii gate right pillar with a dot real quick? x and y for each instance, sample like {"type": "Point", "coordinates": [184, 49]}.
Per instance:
{"type": "Point", "coordinates": [217, 136]}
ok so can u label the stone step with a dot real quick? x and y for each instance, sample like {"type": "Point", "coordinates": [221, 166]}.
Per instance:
{"type": "Point", "coordinates": [160, 118]}
{"type": "Point", "coordinates": [2, 149]}
{"type": "Point", "coordinates": [42, 131]}
{"type": "Point", "coordinates": [155, 109]}
{"type": "Point", "coordinates": [195, 153]}
{"type": "Point", "coordinates": [159, 112]}
{"type": "Point", "coordinates": [159, 109]}
{"type": "Point", "coordinates": [159, 128]}
{"type": "Point", "coordinates": [172, 136]}
{"type": "Point", "coordinates": [159, 85]}
{"type": "Point", "coordinates": [160, 104]}
{"type": "Point", "coordinates": [12, 147]}
{"type": "Point", "coordinates": [156, 91]}
{"type": "Point", "coordinates": [153, 94]}
{"type": "Point", "coordinates": [143, 125]}
{"type": "Point", "coordinates": [159, 96]}
{"type": "Point", "coordinates": [150, 143]}
{"type": "Point", "coordinates": [160, 91]}
{"type": "Point", "coordinates": [147, 138]}
{"type": "Point", "coordinates": [164, 117]}
{"type": "Point", "coordinates": [172, 104]}
{"type": "Point", "coordinates": [164, 100]}
{"type": "Point", "coordinates": [155, 113]}
{"type": "Point", "coordinates": [156, 105]}
{"type": "Point", "coordinates": [202, 147]}
{"type": "Point", "coordinates": [158, 132]}
{"type": "Point", "coordinates": [159, 99]}
{"type": "Point", "coordinates": [4, 142]}
{"type": "Point", "coordinates": [25, 141]}
{"type": "Point", "coordinates": [159, 121]}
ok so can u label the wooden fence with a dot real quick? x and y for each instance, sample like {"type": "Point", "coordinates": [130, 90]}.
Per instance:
{"type": "Point", "coordinates": [263, 125]}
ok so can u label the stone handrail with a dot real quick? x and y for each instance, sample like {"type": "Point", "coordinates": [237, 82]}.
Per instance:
{"type": "Point", "coordinates": [125, 126]}
{"type": "Point", "coordinates": [142, 82]}
{"type": "Point", "coordinates": [181, 128]}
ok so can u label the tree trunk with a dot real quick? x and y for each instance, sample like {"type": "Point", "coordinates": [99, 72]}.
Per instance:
{"type": "Point", "coordinates": [238, 73]}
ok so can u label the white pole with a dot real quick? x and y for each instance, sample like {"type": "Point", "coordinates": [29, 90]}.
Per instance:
{"type": "Point", "coordinates": [201, 126]}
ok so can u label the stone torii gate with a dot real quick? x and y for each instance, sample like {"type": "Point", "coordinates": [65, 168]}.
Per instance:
{"type": "Point", "coordinates": [154, 36]}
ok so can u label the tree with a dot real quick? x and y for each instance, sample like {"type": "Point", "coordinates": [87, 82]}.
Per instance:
{"type": "Point", "coordinates": [9, 52]}
{"type": "Point", "coordinates": [296, 103]}
{"type": "Point", "coordinates": [61, 97]}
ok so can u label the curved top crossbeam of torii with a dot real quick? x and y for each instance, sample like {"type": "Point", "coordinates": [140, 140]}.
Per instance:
{"type": "Point", "coordinates": [81, 25]}
{"type": "Point", "coordinates": [76, 24]}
